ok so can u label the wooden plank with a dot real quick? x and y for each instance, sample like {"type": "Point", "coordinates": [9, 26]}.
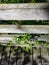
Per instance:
{"type": "Point", "coordinates": [37, 11]}
{"type": "Point", "coordinates": [23, 5]}
{"type": "Point", "coordinates": [6, 39]}
{"type": "Point", "coordinates": [44, 38]}
{"type": "Point", "coordinates": [35, 29]}
{"type": "Point", "coordinates": [10, 29]}
{"type": "Point", "coordinates": [10, 38]}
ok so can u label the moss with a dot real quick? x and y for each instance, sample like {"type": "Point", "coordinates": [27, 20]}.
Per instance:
{"type": "Point", "coordinates": [22, 1]}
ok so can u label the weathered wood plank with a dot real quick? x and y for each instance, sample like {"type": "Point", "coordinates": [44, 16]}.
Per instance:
{"type": "Point", "coordinates": [43, 39]}
{"type": "Point", "coordinates": [10, 38]}
{"type": "Point", "coordinates": [35, 29]}
{"type": "Point", "coordinates": [23, 5]}
{"type": "Point", "coordinates": [37, 11]}
{"type": "Point", "coordinates": [10, 29]}
{"type": "Point", "coordinates": [4, 40]}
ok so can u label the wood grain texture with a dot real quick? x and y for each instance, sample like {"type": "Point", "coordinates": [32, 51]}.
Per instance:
{"type": "Point", "coordinates": [37, 11]}
{"type": "Point", "coordinates": [6, 39]}
{"type": "Point", "coordinates": [23, 6]}
{"type": "Point", "coordinates": [35, 29]}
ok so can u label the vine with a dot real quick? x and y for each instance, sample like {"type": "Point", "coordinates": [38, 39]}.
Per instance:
{"type": "Point", "coordinates": [23, 42]}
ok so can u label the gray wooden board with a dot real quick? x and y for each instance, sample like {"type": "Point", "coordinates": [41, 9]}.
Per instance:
{"type": "Point", "coordinates": [35, 29]}
{"type": "Point", "coordinates": [10, 38]}
{"type": "Point", "coordinates": [10, 29]}
{"type": "Point", "coordinates": [37, 11]}
{"type": "Point", "coordinates": [23, 5]}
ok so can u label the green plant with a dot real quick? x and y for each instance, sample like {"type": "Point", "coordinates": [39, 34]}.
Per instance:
{"type": "Point", "coordinates": [22, 1]}
{"type": "Point", "coordinates": [22, 40]}
{"type": "Point", "coordinates": [43, 43]}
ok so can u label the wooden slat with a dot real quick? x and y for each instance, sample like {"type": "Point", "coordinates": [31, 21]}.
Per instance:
{"type": "Point", "coordinates": [6, 39]}
{"type": "Point", "coordinates": [43, 39]}
{"type": "Point", "coordinates": [10, 38]}
{"type": "Point", "coordinates": [23, 5]}
{"type": "Point", "coordinates": [35, 29]}
{"type": "Point", "coordinates": [37, 11]}
{"type": "Point", "coordinates": [10, 29]}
